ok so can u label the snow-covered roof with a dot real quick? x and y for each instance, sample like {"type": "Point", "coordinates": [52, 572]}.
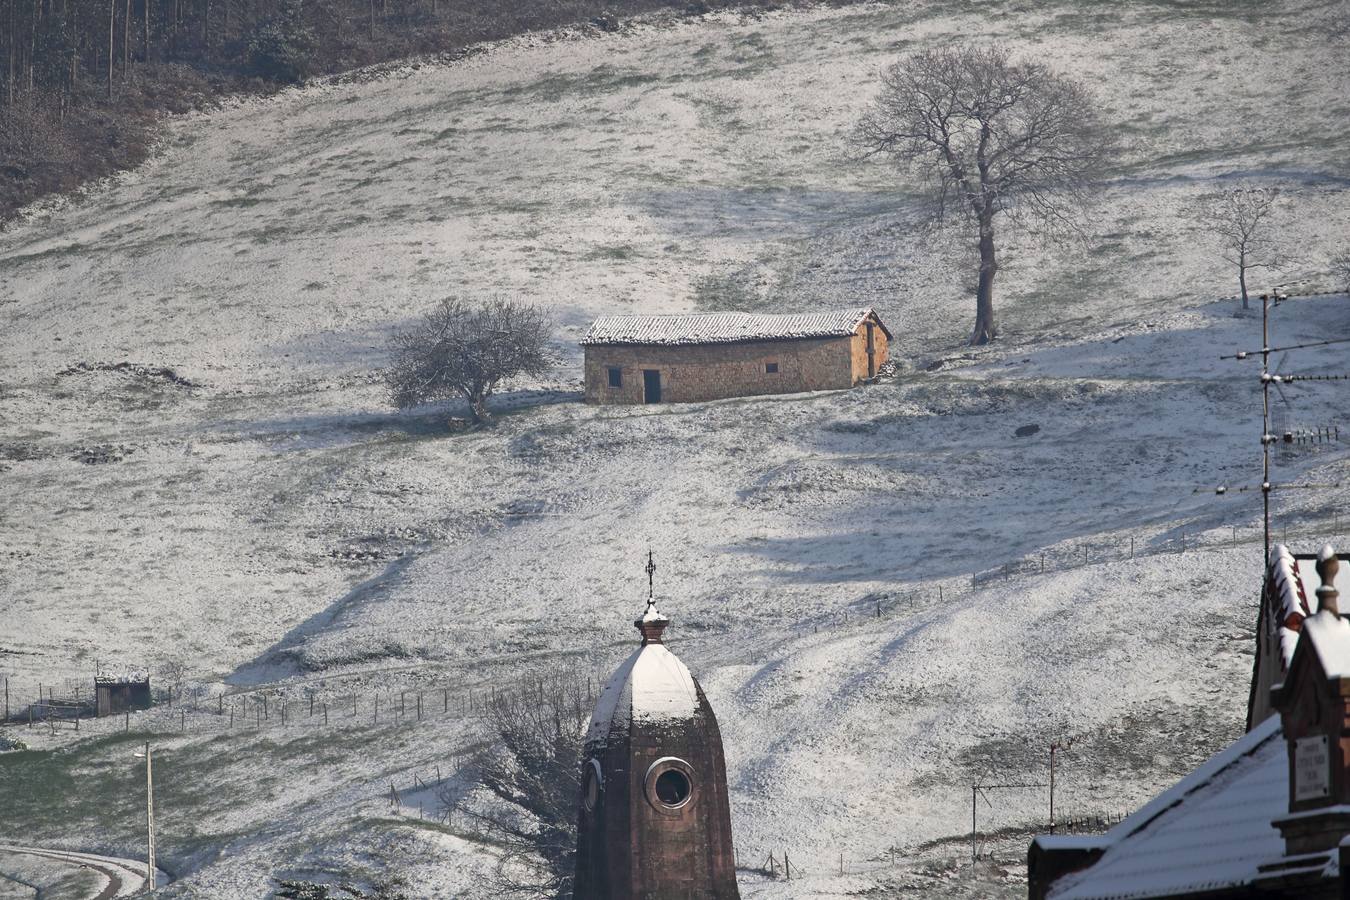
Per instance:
{"type": "Point", "coordinates": [652, 685]}
{"type": "Point", "coordinates": [1330, 637]}
{"type": "Point", "coordinates": [1209, 831]}
{"type": "Point", "coordinates": [1292, 598]}
{"type": "Point", "coordinates": [727, 327]}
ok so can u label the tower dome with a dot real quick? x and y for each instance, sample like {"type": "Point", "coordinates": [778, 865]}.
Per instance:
{"type": "Point", "coordinates": [654, 821]}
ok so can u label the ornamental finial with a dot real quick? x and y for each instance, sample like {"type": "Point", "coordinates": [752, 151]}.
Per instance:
{"type": "Point", "coordinates": [1328, 597]}
{"type": "Point", "coordinates": [652, 622]}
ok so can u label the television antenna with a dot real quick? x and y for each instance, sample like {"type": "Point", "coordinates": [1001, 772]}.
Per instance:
{"type": "Point", "coordinates": [1274, 423]}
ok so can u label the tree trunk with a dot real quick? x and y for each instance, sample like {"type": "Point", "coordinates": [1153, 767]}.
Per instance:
{"type": "Point", "coordinates": [126, 43]}
{"type": "Point", "coordinates": [985, 328]}
{"type": "Point", "coordinates": [112, 19]}
{"type": "Point", "coordinates": [1242, 279]}
{"type": "Point", "coordinates": [479, 410]}
{"type": "Point", "coordinates": [147, 32]}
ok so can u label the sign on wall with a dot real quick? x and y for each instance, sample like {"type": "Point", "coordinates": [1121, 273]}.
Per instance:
{"type": "Point", "coordinates": [1312, 768]}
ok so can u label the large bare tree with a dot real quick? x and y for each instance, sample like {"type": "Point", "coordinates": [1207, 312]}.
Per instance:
{"type": "Point", "coordinates": [1241, 219]}
{"type": "Point", "coordinates": [528, 775]}
{"type": "Point", "coordinates": [465, 350]}
{"type": "Point", "coordinates": [993, 138]}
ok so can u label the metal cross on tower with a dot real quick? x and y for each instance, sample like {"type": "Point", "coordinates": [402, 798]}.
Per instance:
{"type": "Point", "coordinates": [651, 578]}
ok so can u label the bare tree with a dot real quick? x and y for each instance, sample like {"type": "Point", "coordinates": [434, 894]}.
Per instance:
{"type": "Point", "coordinates": [174, 672]}
{"type": "Point", "coordinates": [529, 780]}
{"type": "Point", "coordinates": [1340, 273]}
{"type": "Point", "coordinates": [1242, 222]}
{"type": "Point", "coordinates": [989, 136]}
{"type": "Point", "coordinates": [465, 350]}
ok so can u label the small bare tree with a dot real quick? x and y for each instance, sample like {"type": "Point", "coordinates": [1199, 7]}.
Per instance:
{"type": "Point", "coordinates": [174, 672]}
{"type": "Point", "coordinates": [529, 780]}
{"type": "Point", "coordinates": [465, 350]}
{"type": "Point", "coordinates": [991, 137]}
{"type": "Point", "coordinates": [1340, 273]}
{"type": "Point", "coordinates": [1241, 220]}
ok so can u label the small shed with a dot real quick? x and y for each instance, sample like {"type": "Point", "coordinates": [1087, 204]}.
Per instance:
{"type": "Point", "coordinates": [708, 356]}
{"type": "Point", "coordinates": [115, 694]}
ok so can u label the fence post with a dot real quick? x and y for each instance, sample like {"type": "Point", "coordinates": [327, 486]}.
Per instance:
{"type": "Point", "coordinates": [445, 701]}
{"type": "Point", "coordinates": [1131, 546]}
{"type": "Point", "coordinates": [419, 706]}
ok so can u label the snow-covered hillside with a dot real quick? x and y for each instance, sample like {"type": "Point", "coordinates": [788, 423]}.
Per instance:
{"type": "Point", "coordinates": [241, 498]}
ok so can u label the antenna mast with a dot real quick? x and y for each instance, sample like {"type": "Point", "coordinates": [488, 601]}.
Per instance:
{"type": "Point", "coordinates": [1266, 437]}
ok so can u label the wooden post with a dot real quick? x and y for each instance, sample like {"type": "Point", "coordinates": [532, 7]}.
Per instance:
{"type": "Point", "coordinates": [182, 720]}
{"type": "Point", "coordinates": [419, 706]}
{"type": "Point", "coordinates": [325, 714]}
{"type": "Point", "coordinates": [445, 703]}
{"type": "Point", "coordinates": [377, 708]}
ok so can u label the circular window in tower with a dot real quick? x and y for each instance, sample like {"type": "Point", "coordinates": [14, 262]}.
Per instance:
{"type": "Point", "coordinates": [590, 789]}
{"type": "Point", "coordinates": [670, 785]}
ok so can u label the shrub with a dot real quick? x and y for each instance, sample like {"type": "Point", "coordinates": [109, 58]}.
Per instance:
{"type": "Point", "coordinates": [281, 47]}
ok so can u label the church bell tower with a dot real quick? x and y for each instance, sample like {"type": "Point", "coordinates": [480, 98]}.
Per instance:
{"type": "Point", "coordinates": [655, 822]}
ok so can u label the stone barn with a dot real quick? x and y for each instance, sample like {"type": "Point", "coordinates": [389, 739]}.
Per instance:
{"type": "Point", "coordinates": [115, 694]}
{"type": "Point", "coordinates": [688, 358]}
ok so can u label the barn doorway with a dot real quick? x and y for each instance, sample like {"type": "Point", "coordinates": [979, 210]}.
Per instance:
{"type": "Point", "coordinates": [871, 350]}
{"type": "Point", "coordinates": [651, 386]}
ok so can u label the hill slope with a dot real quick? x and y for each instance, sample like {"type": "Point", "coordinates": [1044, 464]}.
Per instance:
{"type": "Point", "coordinates": [205, 468]}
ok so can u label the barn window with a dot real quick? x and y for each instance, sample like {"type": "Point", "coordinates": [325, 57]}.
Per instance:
{"type": "Point", "coordinates": [615, 376]}
{"type": "Point", "coordinates": [670, 785]}
{"type": "Point", "coordinates": [771, 368]}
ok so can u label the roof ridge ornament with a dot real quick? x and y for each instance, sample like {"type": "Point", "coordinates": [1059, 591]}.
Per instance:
{"type": "Point", "coordinates": [652, 623]}
{"type": "Point", "coordinates": [1328, 595]}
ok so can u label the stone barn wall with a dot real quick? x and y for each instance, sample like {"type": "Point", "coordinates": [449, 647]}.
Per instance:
{"type": "Point", "coordinates": [694, 372]}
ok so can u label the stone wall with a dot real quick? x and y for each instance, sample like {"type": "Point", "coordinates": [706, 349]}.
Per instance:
{"type": "Point", "coordinates": [695, 372]}
{"type": "Point", "coordinates": [880, 350]}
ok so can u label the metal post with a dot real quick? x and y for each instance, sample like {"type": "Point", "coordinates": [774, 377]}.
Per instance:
{"type": "Point", "coordinates": [1053, 748]}
{"type": "Point", "coordinates": [149, 822]}
{"type": "Point", "coordinates": [974, 789]}
{"type": "Point", "coordinates": [1265, 422]}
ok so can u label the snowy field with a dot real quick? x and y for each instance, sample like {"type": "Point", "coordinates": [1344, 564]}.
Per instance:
{"type": "Point", "coordinates": [199, 464]}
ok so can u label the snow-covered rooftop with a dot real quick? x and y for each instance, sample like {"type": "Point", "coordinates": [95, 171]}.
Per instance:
{"type": "Point", "coordinates": [723, 328]}
{"type": "Point", "coordinates": [652, 685]}
{"type": "Point", "coordinates": [1209, 831]}
{"type": "Point", "coordinates": [1293, 598]}
{"type": "Point", "coordinates": [1330, 636]}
